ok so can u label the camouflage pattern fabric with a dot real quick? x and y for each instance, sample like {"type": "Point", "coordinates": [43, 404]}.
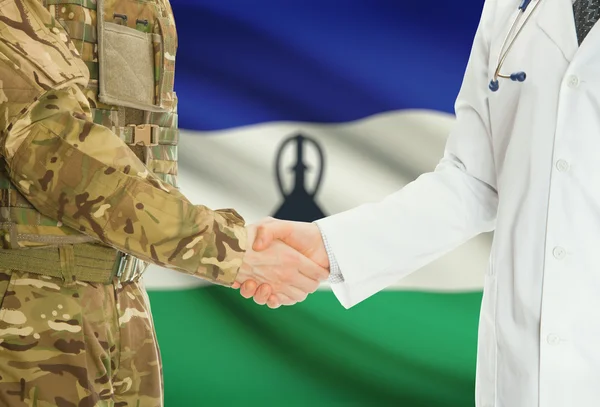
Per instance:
{"type": "Point", "coordinates": [69, 178]}
{"type": "Point", "coordinates": [80, 346]}
{"type": "Point", "coordinates": [80, 173]}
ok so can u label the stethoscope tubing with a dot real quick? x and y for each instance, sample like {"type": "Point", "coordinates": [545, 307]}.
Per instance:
{"type": "Point", "coordinates": [508, 44]}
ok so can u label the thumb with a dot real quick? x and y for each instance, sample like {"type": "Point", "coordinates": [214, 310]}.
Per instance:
{"type": "Point", "coordinates": [267, 232]}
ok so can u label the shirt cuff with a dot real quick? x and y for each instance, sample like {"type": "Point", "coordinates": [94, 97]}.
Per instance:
{"type": "Point", "coordinates": [335, 274]}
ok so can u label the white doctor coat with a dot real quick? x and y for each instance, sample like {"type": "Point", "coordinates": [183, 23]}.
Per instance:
{"type": "Point", "coordinates": [524, 161]}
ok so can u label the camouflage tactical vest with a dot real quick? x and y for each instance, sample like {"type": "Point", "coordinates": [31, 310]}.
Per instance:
{"type": "Point", "coordinates": [129, 48]}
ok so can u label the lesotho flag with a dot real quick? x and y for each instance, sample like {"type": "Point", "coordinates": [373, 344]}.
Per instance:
{"type": "Point", "coordinates": [305, 108]}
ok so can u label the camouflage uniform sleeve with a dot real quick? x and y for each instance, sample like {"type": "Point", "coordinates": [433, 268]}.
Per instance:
{"type": "Point", "coordinates": [85, 176]}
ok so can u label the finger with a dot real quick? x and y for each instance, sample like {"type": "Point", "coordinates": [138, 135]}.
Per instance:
{"type": "Point", "coordinates": [263, 238]}
{"type": "Point", "coordinates": [269, 231]}
{"type": "Point", "coordinates": [293, 273]}
{"type": "Point", "coordinates": [285, 300]}
{"type": "Point", "coordinates": [312, 270]}
{"type": "Point", "coordinates": [236, 285]}
{"type": "Point", "coordinates": [262, 294]}
{"type": "Point", "coordinates": [303, 283]}
{"type": "Point", "coordinates": [273, 302]}
{"type": "Point", "coordinates": [294, 293]}
{"type": "Point", "coordinates": [248, 288]}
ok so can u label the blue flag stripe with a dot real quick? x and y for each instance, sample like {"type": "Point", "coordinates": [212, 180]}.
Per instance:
{"type": "Point", "coordinates": [246, 62]}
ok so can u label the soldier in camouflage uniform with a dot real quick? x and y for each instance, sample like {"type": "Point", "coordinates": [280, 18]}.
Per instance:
{"type": "Point", "coordinates": [88, 197]}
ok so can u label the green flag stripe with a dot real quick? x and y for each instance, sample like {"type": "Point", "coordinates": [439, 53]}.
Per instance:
{"type": "Point", "coordinates": [396, 348]}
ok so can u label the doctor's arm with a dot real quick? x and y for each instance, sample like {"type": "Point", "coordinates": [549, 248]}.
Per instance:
{"type": "Point", "coordinates": [377, 244]}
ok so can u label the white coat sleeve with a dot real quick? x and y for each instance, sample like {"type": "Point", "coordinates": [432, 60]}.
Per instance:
{"type": "Point", "coordinates": [377, 244]}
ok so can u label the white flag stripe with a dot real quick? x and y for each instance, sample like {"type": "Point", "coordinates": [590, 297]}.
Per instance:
{"type": "Point", "coordinates": [365, 160]}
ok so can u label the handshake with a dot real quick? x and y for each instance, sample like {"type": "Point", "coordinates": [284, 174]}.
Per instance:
{"type": "Point", "coordinates": [284, 262]}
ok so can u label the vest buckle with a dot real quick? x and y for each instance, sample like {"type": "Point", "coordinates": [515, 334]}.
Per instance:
{"type": "Point", "coordinates": [126, 267]}
{"type": "Point", "coordinates": [144, 134]}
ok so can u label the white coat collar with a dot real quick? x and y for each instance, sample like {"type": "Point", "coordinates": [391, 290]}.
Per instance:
{"type": "Point", "coordinates": [556, 20]}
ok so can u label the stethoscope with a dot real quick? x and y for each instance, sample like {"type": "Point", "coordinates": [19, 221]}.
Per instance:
{"type": "Point", "coordinates": [516, 76]}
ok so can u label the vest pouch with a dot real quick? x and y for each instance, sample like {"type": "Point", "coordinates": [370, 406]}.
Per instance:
{"type": "Point", "coordinates": [127, 62]}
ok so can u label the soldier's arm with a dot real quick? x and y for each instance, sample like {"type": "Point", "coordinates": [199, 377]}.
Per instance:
{"type": "Point", "coordinates": [85, 176]}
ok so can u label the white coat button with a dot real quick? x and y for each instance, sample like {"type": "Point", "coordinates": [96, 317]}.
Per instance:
{"type": "Point", "coordinates": [562, 165]}
{"type": "Point", "coordinates": [553, 339]}
{"type": "Point", "coordinates": [573, 81]}
{"type": "Point", "coordinates": [559, 253]}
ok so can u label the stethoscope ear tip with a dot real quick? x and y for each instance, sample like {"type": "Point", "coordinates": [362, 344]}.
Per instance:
{"type": "Point", "coordinates": [518, 76]}
{"type": "Point", "coordinates": [494, 85]}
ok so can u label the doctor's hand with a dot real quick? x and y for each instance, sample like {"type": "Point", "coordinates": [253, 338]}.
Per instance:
{"type": "Point", "coordinates": [288, 274]}
{"type": "Point", "coordinates": [303, 237]}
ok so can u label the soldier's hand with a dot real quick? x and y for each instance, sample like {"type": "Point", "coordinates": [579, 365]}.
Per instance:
{"type": "Point", "coordinates": [286, 274]}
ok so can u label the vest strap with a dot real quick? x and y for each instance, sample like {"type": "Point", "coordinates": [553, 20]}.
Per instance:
{"type": "Point", "coordinates": [67, 264]}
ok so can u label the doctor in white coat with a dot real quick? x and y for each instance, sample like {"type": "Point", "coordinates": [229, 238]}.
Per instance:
{"type": "Point", "coordinates": [523, 160]}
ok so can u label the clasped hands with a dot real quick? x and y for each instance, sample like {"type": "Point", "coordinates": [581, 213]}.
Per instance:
{"type": "Point", "coordinates": [284, 262]}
